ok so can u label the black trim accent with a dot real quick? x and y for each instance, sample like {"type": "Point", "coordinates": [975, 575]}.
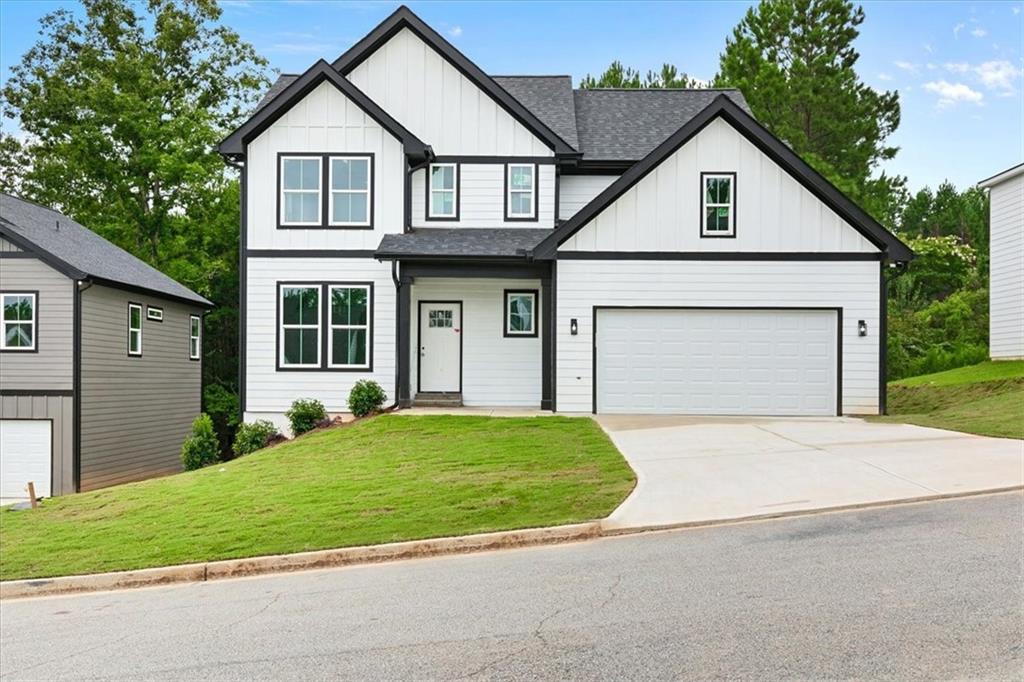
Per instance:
{"type": "Point", "coordinates": [325, 327]}
{"type": "Point", "coordinates": [403, 330]}
{"type": "Point", "coordinates": [234, 145]}
{"type": "Point", "coordinates": [723, 255]}
{"type": "Point", "coordinates": [419, 340]}
{"type": "Point", "coordinates": [131, 288]}
{"type": "Point", "coordinates": [154, 319]}
{"type": "Point", "coordinates": [703, 217]}
{"type": "Point", "coordinates": [43, 255]}
{"type": "Point", "coordinates": [35, 320]}
{"type": "Point", "coordinates": [243, 288]}
{"type": "Point", "coordinates": [403, 17]}
{"type": "Point", "coordinates": [128, 328]}
{"type": "Point", "coordinates": [427, 189]}
{"type": "Point", "coordinates": [76, 384]}
{"type": "Point", "coordinates": [29, 392]}
{"type": "Point", "coordinates": [325, 189]}
{"type": "Point", "coordinates": [839, 338]}
{"type": "Point", "coordinates": [883, 340]}
{"type": "Point", "coordinates": [598, 167]}
{"type": "Point", "coordinates": [479, 270]}
{"type": "Point", "coordinates": [723, 107]}
{"type": "Point", "coordinates": [487, 160]}
{"type": "Point", "coordinates": [18, 254]}
{"type": "Point", "coordinates": [546, 344]}
{"type": "Point", "coordinates": [552, 327]}
{"type": "Point", "coordinates": [199, 338]}
{"type": "Point", "coordinates": [536, 318]}
{"type": "Point", "coordinates": [536, 194]}
{"type": "Point", "coordinates": [309, 253]}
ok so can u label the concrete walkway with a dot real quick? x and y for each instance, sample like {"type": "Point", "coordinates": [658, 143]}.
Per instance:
{"type": "Point", "coordinates": [692, 469]}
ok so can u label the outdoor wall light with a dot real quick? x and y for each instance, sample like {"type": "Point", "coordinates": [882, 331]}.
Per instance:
{"type": "Point", "coordinates": [574, 328]}
{"type": "Point", "coordinates": [862, 328]}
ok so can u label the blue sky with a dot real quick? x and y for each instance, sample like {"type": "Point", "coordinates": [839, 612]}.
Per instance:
{"type": "Point", "coordinates": [956, 65]}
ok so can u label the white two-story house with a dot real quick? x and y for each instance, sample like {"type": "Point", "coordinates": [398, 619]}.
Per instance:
{"type": "Point", "coordinates": [510, 241]}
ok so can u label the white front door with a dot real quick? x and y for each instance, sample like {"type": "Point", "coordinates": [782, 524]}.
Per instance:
{"type": "Point", "coordinates": [440, 364]}
{"type": "Point", "coordinates": [24, 457]}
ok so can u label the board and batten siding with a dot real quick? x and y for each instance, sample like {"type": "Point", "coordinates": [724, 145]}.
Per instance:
{"type": "Point", "coordinates": [482, 198]}
{"type": "Point", "coordinates": [850, 285]}
{"type": "Point", "coordinates": [434, 101]}
{"type": "Point", "coordinates": [136, 411]}
{"type": "Point", "coordinates": [496, 371]}
{"type": "Point", "coordinates": [662, 212]}
{"type": "Point", "coordinates": [270, 392]}
{"type": "Point", "coordinates": [59, 410]}
{"type": "Point", "coordinates": [1006, 268]}
{"type": "Point", "coordinates": [576, 191]}
{"type": "Point", "coordinates": [7, 247]}
{"type": "Point", "coordinates": [50, 367]}
{"type": "Point", "coordinates": [325, 121]}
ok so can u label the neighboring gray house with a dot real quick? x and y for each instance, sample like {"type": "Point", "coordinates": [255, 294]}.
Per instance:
{"type": "Point", "coordinates": [510, 241]}
{"type": "Point", "coordinates": [100, 358]}
{"type": "Point", "coordinates": [1006, 264]}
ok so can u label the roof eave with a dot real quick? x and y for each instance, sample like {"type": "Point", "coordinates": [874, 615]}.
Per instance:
{"type": "Point", "coordinates": [1002, 176]}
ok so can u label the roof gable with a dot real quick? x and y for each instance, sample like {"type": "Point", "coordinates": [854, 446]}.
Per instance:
{"type": "Point", "coordinates": [772, 147]}
{"type": "Point", "coordinates": [404, 18]}
{"type": "Point", "coordinates": [294, 91]}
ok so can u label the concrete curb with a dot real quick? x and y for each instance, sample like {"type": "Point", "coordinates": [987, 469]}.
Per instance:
{"type": "Point", "coordinates": [328, 558]}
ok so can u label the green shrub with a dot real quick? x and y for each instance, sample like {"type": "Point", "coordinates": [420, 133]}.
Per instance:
{"type": "Point", "coordinates": [201, 448]}
{"type": "Point", "coordinates": [221, 404]}
{"type": "Point", "coordinates": [366, 397]}
{"type": "Point", "coordinates": [252, 437]}
{"type": "Point", "coordinates": [304, 415]}
{"type": "Point", "coordinates": [941, 335]}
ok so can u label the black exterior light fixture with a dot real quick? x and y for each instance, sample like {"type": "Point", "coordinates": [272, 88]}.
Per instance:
{"type": "Point", "coordinates": [574, 328]}
{"type": "Point", "coordinates": [862, 328]}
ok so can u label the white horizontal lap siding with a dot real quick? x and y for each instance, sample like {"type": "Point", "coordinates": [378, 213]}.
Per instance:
{"type": "Point", "coordinates": [271, 391]}
{"type": "Point", "coordinates": [852, 286]}
{"type": "Point", "coordinates": [438, 104]}
{"type": "Point", "coordinates": [1006, 268]}
{"type": "Point", "coordinates": [496, 371]}
{"type": "Point", "coordinates": [576, 191]}
{"type": "Point", "coordinates": [325, 121]}
{"type": "Point", "coordinates": [663, 211]}
{"type": "Point", "coordinates": [482, 198]}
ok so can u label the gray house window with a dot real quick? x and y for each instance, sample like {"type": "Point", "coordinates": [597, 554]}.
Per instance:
{"type": "Point", "coordinates": [300, 326]}
{"type": "Point", "coordinates": [350, 326]}
{"type": "Point", "coordinates": [300, 190]}
{"type": "Point", "coordinates": [194, 332]}
{"type": "Point", "coordinates": [134, 329]}
{"type": "Point", "coordinates": [19, 321]}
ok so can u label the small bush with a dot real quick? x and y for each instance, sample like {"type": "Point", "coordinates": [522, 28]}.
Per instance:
{"type": "Point", "coordinates": [252, 437]}
{"type": "Point", "coordinates": [201, 448]}
{"type": "Point", "coordinates": [366, 397]}
{"type": "Point", "coordinates": [221, 404]}
{"type": "Point", "coordinates": [305, 415]}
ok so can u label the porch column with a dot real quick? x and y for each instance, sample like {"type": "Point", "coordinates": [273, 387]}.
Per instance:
{"type": "Point", "coordinates": [402, 334]}
{"type": "Point", "coordinates": [546, 342]}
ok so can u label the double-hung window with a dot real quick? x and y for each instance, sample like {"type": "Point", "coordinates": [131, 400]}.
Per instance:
{"type": "Point", "coordinates": [299, 341]}
{"type": "Point", "coordinates": [18, 313]}
{"type": "Point", "coordinates": [300, 191]}
{"type": "Point", "coordinates": [194, 331]}
{"type": "Point", "coordinates": [350, 191]}
{"type": "Point", "coordinates": [521, 313]}
{"type": "Point", "coordinates": [718, 205]}
{"type": "Point", "coordinates": [443, 197]}
{"type": "Point", "coordinates": [521, 191]}
{"type": "Point", "coordinates": [349, 338]}
{"type": "Point", "coordinates": [134, 329]}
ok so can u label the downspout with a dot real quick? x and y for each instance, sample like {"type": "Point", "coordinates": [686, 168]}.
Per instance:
{"type": "Point", "coordinates": [76, 385]}
{"type": "Point", "coordinates": [398, 330]}
{"type": "Point", "coordinates": [897, 268]}
{"type": "Point", "coordinates": [242, 281]}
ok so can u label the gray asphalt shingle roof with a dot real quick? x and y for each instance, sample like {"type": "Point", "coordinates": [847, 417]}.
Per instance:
{"type": "Point", "coordinates": [550, 100]}
{"type": "Point", "coordinates": [84, 250]}
{"type": "Point", "coordinates": [282, 82]}
{"type": "Point", "coordinates": [498, 242]}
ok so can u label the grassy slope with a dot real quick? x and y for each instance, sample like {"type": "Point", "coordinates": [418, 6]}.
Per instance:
{"type": "Point", "coordinates": [386, 479]}
{"type": "Point", "coordinates": [986, 399]}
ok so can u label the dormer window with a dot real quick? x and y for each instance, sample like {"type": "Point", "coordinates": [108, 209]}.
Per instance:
{"type": "Point", "coordinates": [521, 191]}
{"type": "Point", "coordinates": [718, 204]}
{"type": "Point", "coordinates": [443, 192]}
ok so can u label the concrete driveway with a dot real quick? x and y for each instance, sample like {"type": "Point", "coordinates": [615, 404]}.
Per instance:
{"type": "Point", "coordinates": [692, 469]}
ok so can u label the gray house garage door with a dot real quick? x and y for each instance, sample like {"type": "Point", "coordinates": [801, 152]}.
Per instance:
{"type": "Point", "coordinates": [717, 361]}
{"type": "Point", "coordinates": [24, 456]}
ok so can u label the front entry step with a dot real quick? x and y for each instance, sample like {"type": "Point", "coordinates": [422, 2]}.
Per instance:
{"type": "Point", "coordinates": [437, 400]}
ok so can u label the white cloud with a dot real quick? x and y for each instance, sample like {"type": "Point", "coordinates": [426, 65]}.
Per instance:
{"type": "Point", "coordinates": [905, 66]}
{"type": "Point", "coordinates": [953, 93]}
{"type": "Point", "coordinates": [931, 67]}
{"type": "Point", "coordinates": [884, 77]}
{"type": "Point", "coordinates": [957, 67]}
{"type": "Point", "coordinates": [998, 75]}
{"type": "Point", "coordinates": [1015, 10]}
{"type": "Point", "coordinates": [956, 29]}
{"type": "Point", "coordinates": [979, 32]}
{"type": "Point", "coordinates": [455, 31]}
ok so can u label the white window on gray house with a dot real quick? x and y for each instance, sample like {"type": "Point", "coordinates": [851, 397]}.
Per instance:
{"type": "Point", "coordinates": [154, 313]}
{"type": "Point", "coordinates": [19, 321]}
{"type": "Point", "coordinates": [520, 313]}
{"type": "Point", "coordinates": [300, 190]}
{"type": "Point", "coordinates": [349, 338]}
{"type": "Point", "coordinates": [299, 339]}
{"type": "Point", "coordinates": [194, 331]}
{"type": "Point", "coordinates": [134, 329]}
{"type": "Point", "coordinates": [718, 205]}
{"type": "Point", "coordinates": [350, 191]}
{"type": "Point", "coordinates": [444, 183]}
{"type": "Point", "coordinates": [522, 191]}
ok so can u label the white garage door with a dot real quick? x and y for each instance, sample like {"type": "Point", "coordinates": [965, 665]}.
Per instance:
{"type": "Point", "coordinates": [24, 457]}
{"type": "Point", "coordinates": [715, 361]}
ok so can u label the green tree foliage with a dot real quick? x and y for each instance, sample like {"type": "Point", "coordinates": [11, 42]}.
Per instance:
{"type": "Point", "coordinates": [794, 61]}
{"type": "Point", "coordinates": [619, 76]}
{"type": "Point", "coordinates": [947, 212]}
{"type": "Point", "coordinates": [201, 448]}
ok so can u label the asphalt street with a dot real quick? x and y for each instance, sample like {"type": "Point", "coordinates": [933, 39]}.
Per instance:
{"type": "Point", "coordinates": [923, 591]}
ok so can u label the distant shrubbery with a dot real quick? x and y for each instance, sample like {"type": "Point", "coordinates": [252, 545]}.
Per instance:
{"type": "Point", "coordinates": [253, 437]}
{"type": "Point", "coordinates": [201, 448]}
{"type": "Point", "coordinates": [305, 415]}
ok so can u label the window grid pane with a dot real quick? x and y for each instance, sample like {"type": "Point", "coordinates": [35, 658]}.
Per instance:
{"type": "Point", "coordinates": [350, 328]}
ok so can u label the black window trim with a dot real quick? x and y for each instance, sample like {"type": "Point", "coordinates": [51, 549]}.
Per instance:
{"type": "Point", "coordinates": [154, 309]}
{"type": "Point", "coordinates": [536, 317]}
{"type": "Point", "coordinates": [704, 234]}
{"type": "Point", "coordinates": [324, 326]}
{"type": "Point", "coordinates": [128, 321]}
{"type": "Point", "coordinates": [536, 193]}
{"type": "Point", "coordinates": [35, 319]}
{"type": "Point", "coordinates": [458, 192]}
{"type": "Point", "coordinates": [198, 337]}
{"type": "Point", "coordinates": [325, 190]}
{"type": "Point", "coordinates": [329, 327]}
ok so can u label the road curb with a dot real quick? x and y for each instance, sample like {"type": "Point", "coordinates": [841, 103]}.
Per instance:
{"type": "Point", "coordinates": [284, 563]}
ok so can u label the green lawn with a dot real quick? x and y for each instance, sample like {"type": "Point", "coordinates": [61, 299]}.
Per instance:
{"type": "Point", "coordinates": [380, 480]}
{"type": "Point", "coordinates": [986, 399]}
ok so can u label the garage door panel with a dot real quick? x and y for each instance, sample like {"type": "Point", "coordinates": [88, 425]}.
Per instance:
{"type": "Point", "coordinates": [25, 455]}
{"type": "Point", "coordinates": [717, 361]}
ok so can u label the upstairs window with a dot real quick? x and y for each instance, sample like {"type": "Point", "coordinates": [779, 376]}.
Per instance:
{"type": "Point", "coordinates": [443, 194]}
{"type": "Point", "coordinates": [300, 191]}
{"type": "Point", "coordinates": [718, 207]}
{"type": "Point", "coordinates": [18, 317]}
{"type": "Point", "coordinates": [350, 191]}
{"type": "Point", "coordinates": [349, 338]}
{"type": "Point", "coordinates": [134, 329]}
{"type": "Point", "coordinates": [521, 191]}
{"type": "Point", "coordinates": [300, 326]}
{"type": "Point", "coordinates": [194, 331]}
